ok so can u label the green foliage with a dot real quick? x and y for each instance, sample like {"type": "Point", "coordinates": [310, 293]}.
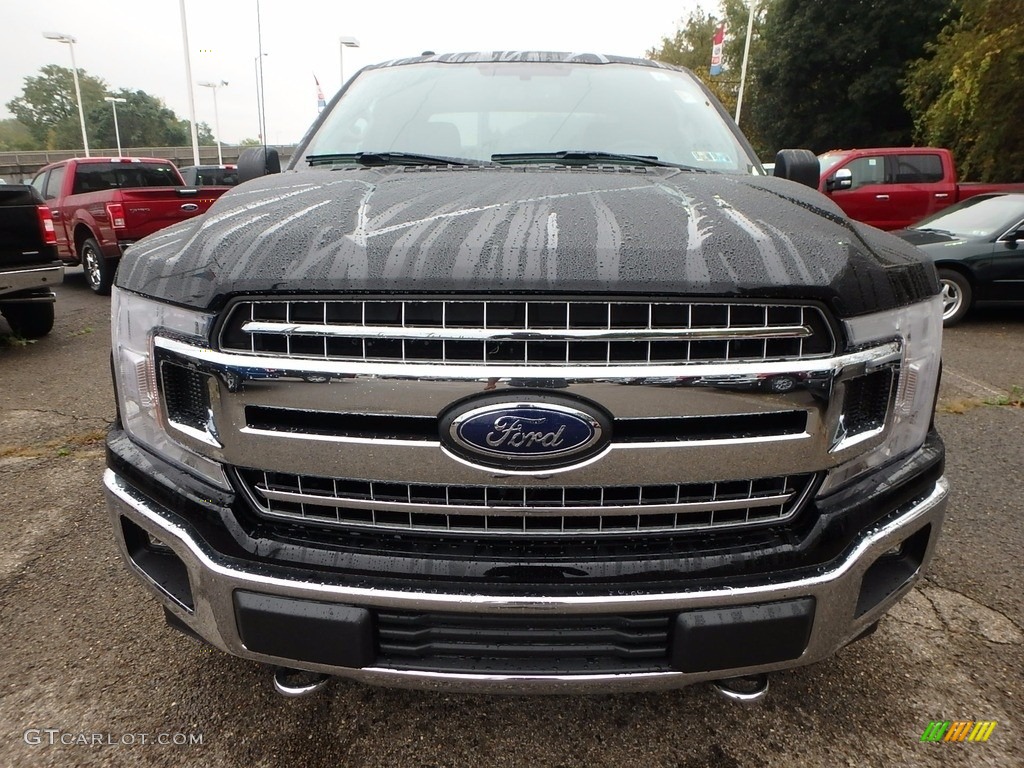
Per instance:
{"type": "Point", "coordinates": [15, 137]}
{"type": "Point", "coordinates": [831, 73]}
{"type": "Point", "coordinates": [691, 45]}
{"type": "Point", "coordinates": [966, 93]}
{"type": "Point", "coordinates": [144, 121]}
{"type": "Point", "coordinates": [250, 142]}
{"type": "Point", "coordinates": [49, 109]}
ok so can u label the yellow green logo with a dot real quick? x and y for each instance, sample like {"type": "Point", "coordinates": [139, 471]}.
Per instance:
{"type": "Point", "coordinates": [958, 730]}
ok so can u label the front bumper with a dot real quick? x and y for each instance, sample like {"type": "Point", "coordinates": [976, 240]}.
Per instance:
{"type": "Point", "coordinates": [211, 594]}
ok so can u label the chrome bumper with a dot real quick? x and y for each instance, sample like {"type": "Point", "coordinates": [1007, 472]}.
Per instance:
{"type": "Point", "coordinates": [16, 280]}
{"type": "Point", "coordinates": [213, 579]}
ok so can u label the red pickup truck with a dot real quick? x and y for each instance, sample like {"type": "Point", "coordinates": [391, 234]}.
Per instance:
{"type": "Point", "coordinates": [894, 187]}
{"type": "Point", "coordinates": [101, 205]}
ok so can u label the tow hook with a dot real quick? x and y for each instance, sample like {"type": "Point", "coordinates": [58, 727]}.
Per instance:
{"type": "Point", "coordinates": [294, 683]}
{"type": "Point", "coordinates": [746, 689]}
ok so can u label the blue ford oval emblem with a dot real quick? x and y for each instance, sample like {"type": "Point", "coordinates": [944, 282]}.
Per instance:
{"type": "Point", "coordinates": [526, 435]}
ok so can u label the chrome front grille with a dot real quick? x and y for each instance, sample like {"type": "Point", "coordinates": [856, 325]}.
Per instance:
{"type": "Point", "coordinates": [524, 510]}
{"type": "Point", "coordinates": [521, 332]}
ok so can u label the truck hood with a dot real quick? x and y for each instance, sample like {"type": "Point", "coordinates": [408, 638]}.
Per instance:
{"type": "Point", "coordinates": [617, 231]}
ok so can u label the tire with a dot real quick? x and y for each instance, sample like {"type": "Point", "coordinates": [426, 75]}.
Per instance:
{"type": "Point", "coordinates": [956, 296]}
{"type": "Point", "coordinates": [99, 270]}
{"type": "Point", "coordinates": [29, 321]}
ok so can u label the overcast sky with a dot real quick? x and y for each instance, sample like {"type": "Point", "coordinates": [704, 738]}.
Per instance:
{"type": "Point", "coordinates": [137, 44]}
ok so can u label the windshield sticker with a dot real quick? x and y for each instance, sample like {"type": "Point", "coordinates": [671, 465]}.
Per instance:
{"type": "Point", "coordinates": [711, 157]}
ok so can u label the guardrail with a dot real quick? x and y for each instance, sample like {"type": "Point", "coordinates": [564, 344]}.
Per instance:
{"type": "Point", "coordinates": [19, 166]}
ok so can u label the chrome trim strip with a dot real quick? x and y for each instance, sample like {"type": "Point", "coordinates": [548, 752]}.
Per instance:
{"type": "Point", "coordinates": [246, 366]}
{"type": "Point", "coordinates": [554, 510]}
{"type": "Point", "coordinates": [394, 332]}
{"type": "Point", "coordinates": [124, 499]}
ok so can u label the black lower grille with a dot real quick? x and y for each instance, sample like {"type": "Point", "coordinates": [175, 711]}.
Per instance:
{"type": "Point", "coordinates": [867, 401]}
{"type": "Point", "coordinates": [455, 643]}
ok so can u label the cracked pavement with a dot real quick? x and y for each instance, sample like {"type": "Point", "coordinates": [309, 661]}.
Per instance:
{"type": "Point", "coordinates": [86, 650]}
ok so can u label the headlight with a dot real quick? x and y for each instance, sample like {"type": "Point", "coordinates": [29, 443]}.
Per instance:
{"type": "Point", "coordinates": [135, 322]}
{"type": "Point", "coordinates": [919, 330]}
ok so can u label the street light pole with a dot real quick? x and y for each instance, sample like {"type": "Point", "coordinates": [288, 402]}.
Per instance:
{"type": "Point", "coordinates": [70, 40]}
{"type": "Point", "coordinates": [746, 55]}
{"type": "Point", "coordinates": [256, 61]}
{"type": "Point", "coordinates": [188, 78]}
{"type": "Point", "coordinates": [216, 114]}
{"type": "Point", "coordinates": [114, 101]}
{"type": "Point", "coordinates": [346, 42]}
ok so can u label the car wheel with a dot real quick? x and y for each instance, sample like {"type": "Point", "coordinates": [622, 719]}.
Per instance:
{"type": "Point", "coordinates": [99, 270]}
{"type": "Point", "coordinates": [956, 296]}
{"type": "Point", "coordinates": [29, 321]}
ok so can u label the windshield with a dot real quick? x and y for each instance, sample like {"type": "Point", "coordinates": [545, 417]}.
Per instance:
{"type": "Point", "coordinates": [477, 110]}
{"type": "Point", "coordinates": [983, 216]}
{"type": "Point", "coordinates": [830, 160]}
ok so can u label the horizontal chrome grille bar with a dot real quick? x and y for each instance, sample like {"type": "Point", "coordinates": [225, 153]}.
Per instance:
{"type": "Point", "coordinates": [531, 510]}
{"type": "Point", "coordinates": [512, 334]}
{"type": "Point", "coordinates": [520, 332]}
{"type": "Point", "coordinates": [497, 509]}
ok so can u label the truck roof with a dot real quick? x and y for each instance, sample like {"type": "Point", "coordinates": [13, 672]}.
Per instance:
{"type": "Point", "coordinates": [547, 57]}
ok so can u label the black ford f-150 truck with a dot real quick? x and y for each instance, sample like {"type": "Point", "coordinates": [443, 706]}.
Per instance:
{"type": "Point", "coordinates": [29, 267]}
{"type": "Point", "coordinates": [524, 377]}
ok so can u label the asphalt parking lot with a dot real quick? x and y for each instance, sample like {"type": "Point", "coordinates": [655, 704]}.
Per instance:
{"type": "Point", "coordinates": [92, 676]}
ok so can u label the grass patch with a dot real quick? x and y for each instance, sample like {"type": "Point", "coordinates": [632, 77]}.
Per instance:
{"type": "Point", "coordinates": [1015, 399]}
{"type": "Point", "coordinates": [63, 447]}
{"type": "Point", "coordinates": [959, 406]}
{"type": "Point", "coordinates": [14, 341]}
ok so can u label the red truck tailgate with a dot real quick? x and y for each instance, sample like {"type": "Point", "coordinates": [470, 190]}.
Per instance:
{"type": "Point", "coordinates": [148, 209]}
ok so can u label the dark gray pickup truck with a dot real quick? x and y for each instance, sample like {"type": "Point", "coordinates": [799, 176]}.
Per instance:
{"type": "Point", "coordinates": [524, 377]}
{"type": "Point", "coordinates": [29, 267]}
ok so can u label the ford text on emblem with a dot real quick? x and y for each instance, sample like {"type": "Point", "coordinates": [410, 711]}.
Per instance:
{"type": "Point", "coordinates": [189, 207]}
{"type": "Point", "coordinates": [526, 434]}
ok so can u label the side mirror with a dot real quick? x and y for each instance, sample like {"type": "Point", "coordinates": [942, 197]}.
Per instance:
{"type": "Point", "coordinates": [799, 165]}
{"type": "Point", "coordinates": [255, 162]}
{"type": "Point", "coordinates": [1014, 237]}
{"type": "Point", "coordinates": [841, 179]}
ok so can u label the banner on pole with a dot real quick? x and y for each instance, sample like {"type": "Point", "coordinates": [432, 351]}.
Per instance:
{"type": "Point", "coordinates": [321, 102]}
{"type": "Point", "coordinates": [716, 49]}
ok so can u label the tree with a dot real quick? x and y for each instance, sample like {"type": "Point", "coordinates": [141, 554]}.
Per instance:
{"type": "Point", "coordinates": [831, 73]}
{"type": "Point", "coordinates": [966, 93]}
{"type": "Point", "coordinates": [144, 121]}
{"type": "Point", "coordinates": [15, 137]}
{"type": "Point", "coordinates": [691, 44]}
{"type": "Point", "coordinates": [48, 109]}
{"type": "Point", "coordinates": [48, 106]}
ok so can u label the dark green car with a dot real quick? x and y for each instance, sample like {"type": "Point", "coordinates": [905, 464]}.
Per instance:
{"type": "Point", "coordinates": [976, 246]}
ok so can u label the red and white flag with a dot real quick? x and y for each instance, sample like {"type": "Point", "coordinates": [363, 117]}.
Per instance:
{"type": "Point", "coordinates": [716, 50]}
{"type": "Point", "coordinates": [321, 102]}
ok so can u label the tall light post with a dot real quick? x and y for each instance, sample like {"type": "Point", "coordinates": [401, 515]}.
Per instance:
{"type": "Point", "coordinates": [746, 55]}
{"type": "Point", "coordinates": [188, 82]}
{"type": "Point", "coordinates": [346, 42]}
{"type": "Point", "coordinates": [257, 62]}
{"type": "Point", "coordinates": [114, 101]}
{"type": "Point", "coordinates": [216, 115]}
{"type": "Point", "coordinates": [70, 40]}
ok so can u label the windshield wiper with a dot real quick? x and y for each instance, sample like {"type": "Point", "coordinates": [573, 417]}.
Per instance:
{"type": "Point", "coordinates": [582, 157]}
{"type": "Point", "coordinates": [372, 159]}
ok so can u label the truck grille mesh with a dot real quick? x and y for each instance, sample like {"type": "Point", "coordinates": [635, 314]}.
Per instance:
{"type": "Point", "coordinates": [524, 510]}
{"type": "Point", "coordinates": [525, 331]}
{"type": "Point", "coordinates": [523, 644]}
